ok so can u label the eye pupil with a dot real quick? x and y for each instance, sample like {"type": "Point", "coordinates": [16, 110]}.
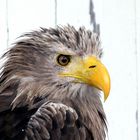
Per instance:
{"type": "Point", "coordinates": [63, 59]}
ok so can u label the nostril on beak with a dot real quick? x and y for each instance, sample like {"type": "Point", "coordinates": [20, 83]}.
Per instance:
{"type": "Point", "coordinates": [92, 66]}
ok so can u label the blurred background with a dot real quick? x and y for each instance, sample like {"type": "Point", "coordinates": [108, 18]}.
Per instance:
{"type": "Point", "coordinates": [118, 22]}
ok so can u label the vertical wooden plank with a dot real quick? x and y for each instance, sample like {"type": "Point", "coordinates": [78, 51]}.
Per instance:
{"type": "Point", "coordinates": [118, 38]}
{"type": "Point", "coordinates": [25, 15]}
{"type": "Point", "coordinates": [3, 26]}
{"type": "Point", "coordinates": [73, 12]}
{"type": "Point", "coordinates": [138, 60]}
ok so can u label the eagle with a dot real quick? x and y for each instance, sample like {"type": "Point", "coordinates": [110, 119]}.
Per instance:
{"type": "Point", "coordinates": [51, 83]}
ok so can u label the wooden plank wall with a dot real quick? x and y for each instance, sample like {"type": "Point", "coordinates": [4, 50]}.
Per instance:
{"type": "Point", "coordinates": [120, 34]}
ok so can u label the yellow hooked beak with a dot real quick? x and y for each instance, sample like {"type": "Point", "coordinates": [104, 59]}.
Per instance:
{"type": "Point", "coordinates": [91, 71]}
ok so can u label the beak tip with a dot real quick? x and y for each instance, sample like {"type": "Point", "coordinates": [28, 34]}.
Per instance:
{"type": "Point", "coordinates": [105, 98]}
{"type": "Point", "coordinates": [106, 94]}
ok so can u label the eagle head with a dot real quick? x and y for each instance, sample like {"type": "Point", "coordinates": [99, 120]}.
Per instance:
{"type": "Point", "coordinates": [64, 60]}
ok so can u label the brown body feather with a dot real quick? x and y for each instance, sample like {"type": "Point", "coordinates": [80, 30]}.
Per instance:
{"type": "Point", "coordinates": [29, 83]}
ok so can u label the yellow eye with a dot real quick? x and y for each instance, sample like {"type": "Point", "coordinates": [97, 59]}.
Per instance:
{"type": "Point", "coordinates": [63, 60]}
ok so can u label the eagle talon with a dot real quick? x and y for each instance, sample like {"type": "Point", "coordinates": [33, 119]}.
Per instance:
{"type": "Point", "coordinates": [60, 107]}
{"type": "Point", "coordinates": [57, 115]}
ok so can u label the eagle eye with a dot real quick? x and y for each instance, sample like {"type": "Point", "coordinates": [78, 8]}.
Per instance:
{"type": "Point", "coordinates": [63, 60]}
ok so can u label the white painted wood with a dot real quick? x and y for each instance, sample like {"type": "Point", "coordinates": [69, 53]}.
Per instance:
{"type": "Point", "coordinates": [73, 12]}
{"type": "Point", "coordinates": [27, 15]}
{"type": "Point", "coordinates": [3, 27]}
{"type": "Point", "coordinates": [138, 58]}
{"type": "Point", "coordinates": [118, 37]}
